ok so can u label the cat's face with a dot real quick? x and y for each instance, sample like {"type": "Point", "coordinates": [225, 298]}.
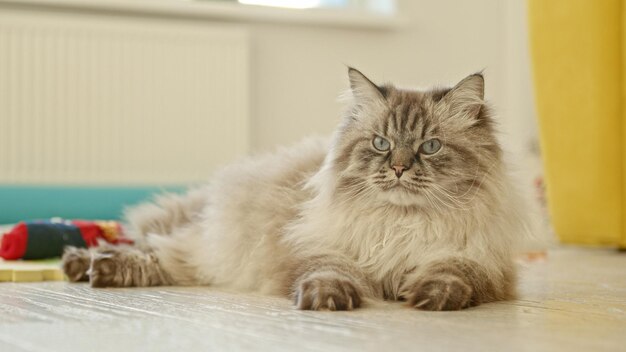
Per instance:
{"type": "Point", "coordinates": [409, 148]}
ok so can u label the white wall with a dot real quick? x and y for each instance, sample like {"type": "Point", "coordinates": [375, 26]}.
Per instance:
{"type": "Point", "coordinates": [518, 104]}
{"type": "Point", "coordinates": [299, 70]}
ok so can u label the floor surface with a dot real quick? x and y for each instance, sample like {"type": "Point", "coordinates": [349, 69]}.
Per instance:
{"type": "Point", "coordinates": [573, 301]}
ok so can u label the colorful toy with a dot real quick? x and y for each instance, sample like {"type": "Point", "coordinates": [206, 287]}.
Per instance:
{"type": "Point", "coordinates": [47, 238]}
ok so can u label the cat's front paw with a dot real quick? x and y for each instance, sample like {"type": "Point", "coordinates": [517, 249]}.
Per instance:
{"type": "Point", "coordinates": [105, 270]}
{"type": "Point", "coordinates": [75, 263]}
{"type": "Point", "coordinates": [442, 292]}
{"type": "Point", "coordinates": [327, 293]}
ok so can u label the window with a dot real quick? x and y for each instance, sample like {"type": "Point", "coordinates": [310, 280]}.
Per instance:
{"type": "Point", "coordinates": [386, 7]}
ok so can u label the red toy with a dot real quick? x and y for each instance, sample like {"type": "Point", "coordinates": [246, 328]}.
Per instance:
{"type": "Point", "coordinates": [47, 239]}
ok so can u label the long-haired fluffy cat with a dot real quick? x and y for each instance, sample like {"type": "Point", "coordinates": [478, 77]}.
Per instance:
{"type": "Point", "coordinates": [408, 201]}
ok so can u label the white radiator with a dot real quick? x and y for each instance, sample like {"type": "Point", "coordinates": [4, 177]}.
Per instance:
{"type": "Point", "coordinates": [119, 100]}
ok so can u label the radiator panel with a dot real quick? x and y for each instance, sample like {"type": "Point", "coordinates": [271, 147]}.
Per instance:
{"type": "Point", "coordinates": [106, 100]}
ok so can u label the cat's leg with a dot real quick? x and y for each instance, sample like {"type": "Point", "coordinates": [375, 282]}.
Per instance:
{"type": "Point", "coordinates": [125, 266]}
{"type": "Point", "coordinates": [159, 260]}
{"type": "Point", "coordinates": [76, 262]}
{"type": "Point", "coordinates": [456, 283]}
{"type": "Point", "coordinates": [330, 282]}
{"type": "Point", "coordinates": [119, 266]}
{"type": "Point", "coordinates": [166, 213]}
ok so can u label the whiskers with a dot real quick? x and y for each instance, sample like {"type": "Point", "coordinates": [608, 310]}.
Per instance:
{"type": "Point", "coordinates": [439, 196]}
{"type": "Point", "coordinates": [409, 189]}
{"type": "Point", "coordinates": [356, 189]}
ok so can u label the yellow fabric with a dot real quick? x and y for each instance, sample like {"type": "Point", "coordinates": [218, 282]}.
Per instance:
{"type": "Point", "coordinates": [578, 66]}
{"type": "Point", "coordinates": [622, 242]}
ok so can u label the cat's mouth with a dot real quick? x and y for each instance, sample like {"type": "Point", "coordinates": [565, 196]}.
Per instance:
{"type": "Point", "coordinates": [394, 185]}
{"type": "Point", "coordinates": [402, 187]}
{"type": "Point", "coordinates": [402, 194]}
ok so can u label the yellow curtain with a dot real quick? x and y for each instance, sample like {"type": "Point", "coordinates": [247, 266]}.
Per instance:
{"type": "Point", "coordinates": [578, 55]}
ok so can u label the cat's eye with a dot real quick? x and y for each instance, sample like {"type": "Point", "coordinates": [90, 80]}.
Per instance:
{"type": "Point", "coordinates": [431, 146]}
{"type": "Point", "coordinates": [381, 144]}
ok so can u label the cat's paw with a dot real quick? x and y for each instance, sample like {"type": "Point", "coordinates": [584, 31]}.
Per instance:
{"type": "Point", "coordinates": [105, 270]}
{"type": "Point", "coordinates": [442, 292]}
{"type": "Point", "coordinates": [327, 293]}
{"type": "Point", "coordinates": [75, 263]}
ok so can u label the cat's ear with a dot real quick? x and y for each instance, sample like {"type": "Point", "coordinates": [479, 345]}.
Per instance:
{"type": "Point", "coordinates": [363, 89]}
{"type": "Point", "coordinates": [467, 97]}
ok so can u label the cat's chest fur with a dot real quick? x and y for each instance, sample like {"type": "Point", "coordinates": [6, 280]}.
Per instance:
{"type": "Point", "coordinates": [388, 245]}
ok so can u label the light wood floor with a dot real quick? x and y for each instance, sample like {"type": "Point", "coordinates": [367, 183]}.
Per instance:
{"type": "Point", "coordinates": [574, 301]}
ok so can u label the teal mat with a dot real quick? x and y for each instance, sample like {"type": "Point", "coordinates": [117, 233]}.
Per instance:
{"type": "Point", "coordinates": [19, 203]}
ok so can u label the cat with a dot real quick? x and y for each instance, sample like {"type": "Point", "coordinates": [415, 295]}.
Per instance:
{"type": "Point", "coordinates": [410, 200]}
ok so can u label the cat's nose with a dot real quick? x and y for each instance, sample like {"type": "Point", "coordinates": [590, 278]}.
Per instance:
{"type": "Point", "coordinates": [399, 169]}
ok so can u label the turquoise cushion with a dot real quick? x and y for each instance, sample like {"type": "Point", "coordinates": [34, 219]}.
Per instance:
{"type": "Point", "coordinates": [18, 203]}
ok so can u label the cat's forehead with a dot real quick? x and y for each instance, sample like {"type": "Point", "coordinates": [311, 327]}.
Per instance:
{"type": "Point", "coordinates": [413, 97]}
{"type": "Point", "coordinates": [409, 113]}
